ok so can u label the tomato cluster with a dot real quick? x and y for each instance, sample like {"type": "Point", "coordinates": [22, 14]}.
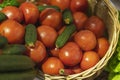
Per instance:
{"type": "Point", "coordinates": [83, 50]}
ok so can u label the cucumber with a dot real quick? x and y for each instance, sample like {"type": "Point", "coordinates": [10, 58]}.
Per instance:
{"type": "Point", "coordinates": [65, 35]}
{"type": "Point", "coordinates": [30, 35]}
{"type": "Point", "coordinates": [67, 16]}
{"type": "Point", "coordinates": [22, 75]}
{"type": "Point", "coordinates": [2, 16]}
{"type": "Point", "coordinates": [3, 41]}
{"type": "Point", "coordinates": [15, 63]}
{"type": "Point", "coordinates": [14, 49]}
{"type": "Point", "coordinates": [41, 7]}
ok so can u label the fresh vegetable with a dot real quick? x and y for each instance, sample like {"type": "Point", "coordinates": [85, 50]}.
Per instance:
{"type": "Point", "coordinates": [2, 16]}
{"type": "Point", "coordinates": [3, 41]}
{"type": "Point", "coordinates": [67, 16]}
{"type": "Point", "coordinates": [65, 35]}
{"type": "Point", "coordinates": [30, 35]}
{"type": "Point", "coordinates": [14, 49]}
{"type": "Point", "coordinates": [15, 63]}
{"type": "Point", "coordinates": [9, 3]}
{"type": "Point", "coordinates": [21, 75]}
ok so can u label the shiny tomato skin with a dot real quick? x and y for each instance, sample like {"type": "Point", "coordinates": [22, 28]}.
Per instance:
{"type": "Point", "coordinates": [86, 39]}
{"type": "Point", "coordinates": [90, 58]}
{"type": "Point", "coordinates": [102, 46]}
{"type": "Point", "coordinates": [62, 4]}
{"type": "Point", "coordinates": [96, 25]}
{"type": "Point", "coordinates": [38, 52]}
{"type": "Point", "coordinates": [51, 17]}
{"type": "Point", "coordinates": [13, 31]}
{"type": "Point", "coordinates": [13, 12]}
{"type": "Point", "coordinates": [70, 54]}
{"type": "Point", "coordinates": [78, 5]}
{"type": "Point", "coordinates": [52, 66]}
{"type": "Point", "coordinates": [55, 52]}
{"type": "Point", "coordinates": [30, 12]}
{"type": "Point", "coordinates": [79, 19]}
{"type": "Point", "coordinates": [47, 35]}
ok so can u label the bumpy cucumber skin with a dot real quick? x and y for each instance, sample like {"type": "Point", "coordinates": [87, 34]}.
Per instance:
{"type": "Point", "coordinates": [2, 17]}
{"type": "Point", "coordinates": [22, 75]}
{"type": "Point", "coordinates": [67, 16]}
{"type": "Point", "coordinates": [65, 35]}
{"type": "Point", "coordinates": [14, 49]}
{"type": "Point", "coordinates": [3, 41]}
{"type": "Point", "coordinates": [30, 35]}
{"type": "Point", "coordinates": [15, 63]}
{"type": "Point", "coordinates": [41, 8]}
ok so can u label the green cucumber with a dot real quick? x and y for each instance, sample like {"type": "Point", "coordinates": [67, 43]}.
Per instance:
{"type": "Point", "coordinates": [65, 35]}
{"type": "Point", "coordinates": [67, 16]}
{"type": "Point", "coordinates": [14, 49]}
{"type": "Point", "coordinates": [22, 75]}
{"type": "Point", "coordinates": [15, 63]}
{"type": "Point", "coordinates": [30, 35]}
{"type": "Point", "coordinates": [41, 7]}
{"type": "Point", "coordinates": [3, 41]}
{"type": "Point", "coordinates": [2, 16]}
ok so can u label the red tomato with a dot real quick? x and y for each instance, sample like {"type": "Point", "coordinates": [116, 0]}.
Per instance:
{"type": "Point", "coordinates": [13, 31]}
{"type": "Point", "coordinates": [47, 35]}
{"type": "Point", "coordinates": [85, 39]}
{"type": "Point", "coordinates": [62, 4]}
{"type": "Point", "coordinates": [37, 53]}
{"type": "Point", "coordinates": [55, 52]}
{"type": "Point", "coordinates": [13, 12]}
{"type": "Point", "coordinates": [96, 25]}
{"type": "Point", "coordinates": [52, 66]}
{"type": "Point", "coordinates": [70, 54]}
{"type": "Point", "coordinates": [102, 46]}
{"type": "Point", "coordinates": [51, 18]}
{"type": "Point", "coordinates": [78, 5]}
{"type": "Point", "coordinates": [79, 19]}
{"type": "Point", "coordinates": [90, 58]}
{"type": "Point", "coordinates": [42, 2]}
{"type": "Point", "coordinates": [30, 12]}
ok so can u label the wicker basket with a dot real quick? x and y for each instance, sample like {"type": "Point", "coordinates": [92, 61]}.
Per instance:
{"type": "Point", "coordinates": [105, 10]}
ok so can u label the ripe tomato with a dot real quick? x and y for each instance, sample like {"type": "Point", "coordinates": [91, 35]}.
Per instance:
{"type": "Point", "coordinates": [47, 35]}
{"type": "Point", "coordinates": [55, 52]}
{"type": "Point", "coordinates": [52, 66]}
{"type": "Point", "coordinates": [37, 53]}
{"type": "Point", "coordinates": [102, 46]}
{"type": "Point", "coordinates": [13, 31]}
{"type": "Point", "coordinates": [51, 17]}
{"type": "Point", "coordinates": [96, 25]}
{"type": "Point", "coordinates": [62, 4]}
{"type": "Point", "coordinates": [30, 12]}
{"type": "Point", "coordinates": [90, 58]}
{"type": "Point", "coordinates": [78, 5]}
{"type": "Point", "coordinates": [13, 12]}
{"type": "Point", "coordinates": [70, 54]}
{"type": "Point", "coordinates": [42, 2]}
{"type": "Point", "coordinates": [85, 39]}
{"type": "Point", "coordinates": [79, 19]}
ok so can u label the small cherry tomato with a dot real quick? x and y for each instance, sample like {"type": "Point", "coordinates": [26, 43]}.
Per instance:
{"type": "Point", "coordinates": [70, 54]}
{"type": "Point", "coordinates": [62, 4]}
{"type": "Point", "coordinates": [52, 66]}
{"type": "Point", "coordinates": [51, 17]}
{"type": "Point", "coordinates": [13, 31]}
{"type": "Point", "coordinates": [102, 46]}
{"type": "Point", "coordinates": [90, 59]}
{"type": "Point", "coordinates": [78, 5]}
{"type": "Point", "coordinates": [96, 25]}
{"type": "Point", "coordinates": [37, 53]}
{"type": "Point", "coordinates": [55, 52]}
{"type": "Point", "coordinates": [13, 12]}
{"type": "Point", "coordinates": [79, 19]}
{"type": "Point", "coordinates": [47, 35]}
{"type": "Point", "coordinates": [85, 39]}
{"type": "Point", "coordinates": [30, 12]}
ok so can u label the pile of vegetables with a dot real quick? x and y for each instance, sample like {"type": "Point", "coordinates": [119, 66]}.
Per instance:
{"type": "Point", "coordinates": [57, 37]}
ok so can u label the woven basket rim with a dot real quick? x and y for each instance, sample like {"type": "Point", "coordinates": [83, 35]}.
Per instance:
{"type": "Point", "coordinates": [113, 12]}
